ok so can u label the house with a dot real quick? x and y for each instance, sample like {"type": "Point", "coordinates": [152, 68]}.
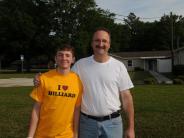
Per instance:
{"type": "Point", "coordinates": [159, 61]}
{"type": "Point", "coordinates": [179, 56]}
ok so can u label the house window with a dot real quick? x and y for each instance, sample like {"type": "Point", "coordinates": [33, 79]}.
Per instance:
{"type": "Point", "coordinates": [129, 63]}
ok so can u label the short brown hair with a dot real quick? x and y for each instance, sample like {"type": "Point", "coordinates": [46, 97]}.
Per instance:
{"type": "Point", "coordinates": [66, 47]}
{"type": "Point", "coordinates": [103, 29]}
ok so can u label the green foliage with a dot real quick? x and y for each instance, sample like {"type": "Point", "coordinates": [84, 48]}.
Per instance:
{"type": "Point", "coordinates": [178, 81]}
{"type": "Point", "coordinates": [181, 77]}
{"type": "Point", "coordinates": [138, 69]}
{"type": "Point", "coordinates": [25, 26]}
{"type": "Point", "coordinates": [150, 81]}
{"type": "Point", "coordinates": [178, 70]}
{"type": "Point", "coordinates": [37, 27]}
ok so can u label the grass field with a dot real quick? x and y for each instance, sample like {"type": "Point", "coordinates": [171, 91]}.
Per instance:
{"type": "Point", "coordinates": [13, 74]}
{"type": "Point", "coordinates": [15, 108]}
{"type": "Point", "coordinates": [159, 111]}
{"type": "Point", "coordinates": [138, 77]}
{"type": "Point", "coordinates": [17, 75]}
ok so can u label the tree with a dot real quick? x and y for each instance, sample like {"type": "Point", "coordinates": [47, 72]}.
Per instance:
{"type": "Point", "coordinates": [39, 25]}
{"type": "Point", "coordinates": [93, 18]}
{"type": "Point", "coordinates": [136, 31]}
{"type": "Point", "coordinates": [16, 27]}
{"type": "Point", "coordinates": [35, 28]}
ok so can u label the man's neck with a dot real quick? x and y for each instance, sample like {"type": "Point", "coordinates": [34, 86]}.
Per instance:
{"type": "Point", "coordinates": [101, 58]}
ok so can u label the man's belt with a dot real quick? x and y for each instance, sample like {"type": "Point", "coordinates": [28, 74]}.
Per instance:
{"type": "Point", "coordinates": [103, 118]}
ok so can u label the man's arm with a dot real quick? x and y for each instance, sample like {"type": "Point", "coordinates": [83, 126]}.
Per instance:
{"type": "Point", "coordinates": [34, 119]}
{"type": "Point", "coordinates": [76, 121]}
{"type": "Point", "coordinates": [128, 107]}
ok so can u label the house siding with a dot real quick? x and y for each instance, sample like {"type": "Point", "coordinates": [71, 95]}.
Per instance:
{"type": "Point", "coordinates": [159, 61]}
{"type": "Point", "coordinates": [179, 58]}
{"type": "Point", "coordinates": [164, 65]}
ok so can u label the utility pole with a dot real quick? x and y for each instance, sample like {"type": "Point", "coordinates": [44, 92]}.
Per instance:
{"type": "Point", "coordinates": [178, 42]}
{"type": "Point", "coordinates": [22, 63]}
{"type": "Point", "coordinates": [172, 40]}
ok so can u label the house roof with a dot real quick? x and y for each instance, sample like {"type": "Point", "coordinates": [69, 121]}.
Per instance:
{"type": "Point", "coordinates": [142, 54]}
{"type": "Point", "coordinates": [179, 49]}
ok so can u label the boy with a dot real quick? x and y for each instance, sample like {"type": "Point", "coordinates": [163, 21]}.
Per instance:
{"type": "Point", "coordinates": [57, 107]}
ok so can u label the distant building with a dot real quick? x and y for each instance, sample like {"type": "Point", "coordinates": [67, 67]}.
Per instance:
{"type": "Point", "coordinates": [179, 56]}
{"type": "Point", "coordinates": [159, 61]}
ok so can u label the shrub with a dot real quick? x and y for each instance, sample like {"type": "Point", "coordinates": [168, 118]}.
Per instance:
{"type": "Point", "coordinates": [181, 77]}
{"type": "Point", "coordinates": [150, 81]}
{"type": "Point", "coordinates": [138, 69]}
{"type": "Point", "coordinates": [178, 81]}
{"type": "Point", "coordinates": [178, 70]}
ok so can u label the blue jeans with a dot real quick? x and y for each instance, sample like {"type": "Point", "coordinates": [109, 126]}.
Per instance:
{"type": "Point", "coordinates": [90, 128]}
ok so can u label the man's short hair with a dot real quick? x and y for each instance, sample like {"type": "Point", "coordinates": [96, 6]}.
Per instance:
{"type": "Point", "coordinates": [66, 47]}
{"type": "Point", "coordinates": [103, 29]}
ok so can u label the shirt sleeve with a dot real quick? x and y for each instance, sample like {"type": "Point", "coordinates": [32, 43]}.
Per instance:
{"type": "Point", "coordinates": [38, 92]}
{"type": "Point", "coordinates": [125, 82]}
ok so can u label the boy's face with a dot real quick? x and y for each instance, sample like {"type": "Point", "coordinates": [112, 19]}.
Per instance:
{"type": "Point", "coordinates": [64, 59]}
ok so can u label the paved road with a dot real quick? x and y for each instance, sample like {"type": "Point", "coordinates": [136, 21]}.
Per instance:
{"type": "Point", "coordinates": [14, 82]}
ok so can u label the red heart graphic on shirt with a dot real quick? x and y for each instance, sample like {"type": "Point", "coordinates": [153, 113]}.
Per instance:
{"type": "Point", "coordinates": [65, 87]}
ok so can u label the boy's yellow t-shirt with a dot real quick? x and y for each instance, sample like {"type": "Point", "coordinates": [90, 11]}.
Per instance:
{"type": "Point", "coordinates": [58, 95]}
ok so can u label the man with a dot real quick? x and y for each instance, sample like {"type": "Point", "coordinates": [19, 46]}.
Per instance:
{"type": "Point", "coordinates": [57, 100]}
{"type": "Point", "coordinates": [105, 81]}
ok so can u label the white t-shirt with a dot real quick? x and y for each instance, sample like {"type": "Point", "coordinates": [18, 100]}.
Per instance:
{"type": "Point", "coordinates": [102, 83]}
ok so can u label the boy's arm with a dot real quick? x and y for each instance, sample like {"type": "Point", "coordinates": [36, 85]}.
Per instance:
{"type": "Point", "coordinates": [76, 121]}
{"type": "Point", "coordinates": [34, 119]}
{"type": "Point", "coordinates": [77, 111]}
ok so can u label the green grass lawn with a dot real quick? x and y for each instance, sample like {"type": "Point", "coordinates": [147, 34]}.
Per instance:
{"type": "Point", "coordinates": [138, 77]}
{"type": "Point", "coordinates": [15, 109]}
{"type": "Point", "coordinates": [17, 75]}
{"type": "Point", "coordinates": [159, 111]}
{"type": "Point", "coordinates": [14, 74]}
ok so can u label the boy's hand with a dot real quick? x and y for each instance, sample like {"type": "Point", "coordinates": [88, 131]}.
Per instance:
{"type": "Point", "coordinates": [36, 80]}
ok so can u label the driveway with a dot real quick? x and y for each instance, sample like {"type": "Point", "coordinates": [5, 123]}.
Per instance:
{"type": "Point", "coordinates": [14, 82]}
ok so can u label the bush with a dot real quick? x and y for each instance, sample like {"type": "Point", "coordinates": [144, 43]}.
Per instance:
{"type": "Point", "coordinates": [181, 77]}
{"type": "Point", "coordinates": [178, 81]}
{"type": "Point", "coordinates": [178, 70]}
{"type": "Point", "coordinates": [138, 69]}
{"type": "Point", "coordinates": [150, 81]}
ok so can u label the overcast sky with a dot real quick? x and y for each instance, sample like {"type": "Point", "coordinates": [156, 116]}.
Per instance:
{"type": "Point", "coordinates": [143, 8]}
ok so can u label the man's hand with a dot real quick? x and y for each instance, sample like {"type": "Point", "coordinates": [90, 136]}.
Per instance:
{"type": "Point", "coordinates": [129, 133]}
{"type": "Point", "coordinates": [36, 80]}
{"type": "Point", "coordinates": [75, 136]}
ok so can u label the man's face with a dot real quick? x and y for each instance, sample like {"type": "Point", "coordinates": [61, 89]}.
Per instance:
{"type": "Point", "coordinates": [64, 59]}
{"type": "Point", "coordinates": [101, 43]}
